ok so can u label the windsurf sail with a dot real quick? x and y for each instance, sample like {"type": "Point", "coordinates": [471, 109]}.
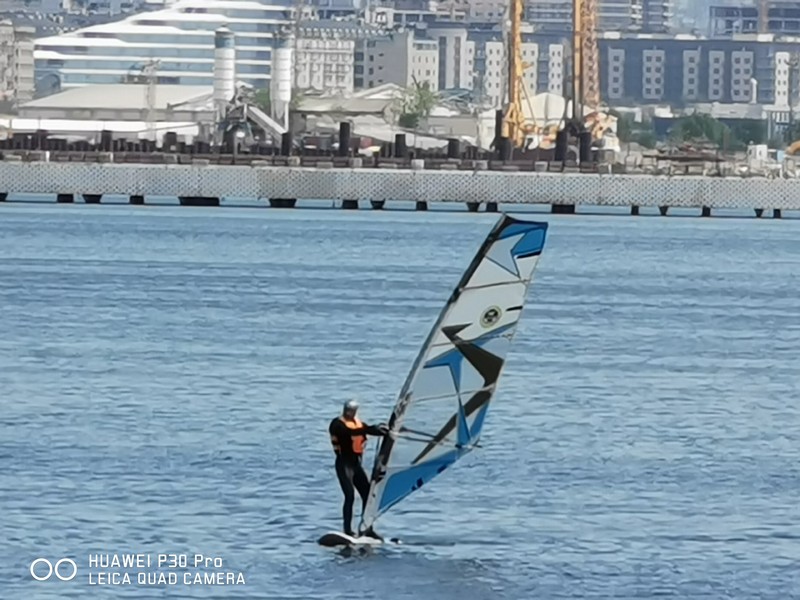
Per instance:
{"type": "Point", "coordinates": [441, 408]}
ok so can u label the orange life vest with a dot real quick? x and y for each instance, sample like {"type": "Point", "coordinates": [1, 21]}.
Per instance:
{"type": "Point", "coordinates": [359, 441]}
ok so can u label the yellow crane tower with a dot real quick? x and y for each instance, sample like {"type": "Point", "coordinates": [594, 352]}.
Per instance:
{"type": "Point", "coordinates": [585, 71]}
{"type": "Point", "coordinates": [584, 22]}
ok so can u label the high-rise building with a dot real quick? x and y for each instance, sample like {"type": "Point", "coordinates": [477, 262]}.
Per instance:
{"type": "Point", "coordinates": [180, 36]}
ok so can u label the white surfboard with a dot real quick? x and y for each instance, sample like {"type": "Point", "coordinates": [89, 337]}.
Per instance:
{"type": "Point", "coordinates": [337, 538]}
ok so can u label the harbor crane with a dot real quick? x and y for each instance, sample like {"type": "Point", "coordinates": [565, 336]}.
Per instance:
{"type": "Point", "coordinates": [584, 77]}
{"type": "Point", "coordinates": [148, 75]}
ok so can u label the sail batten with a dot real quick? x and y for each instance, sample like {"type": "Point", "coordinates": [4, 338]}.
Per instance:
{"type": "Point", "coordinates": [454, 377]}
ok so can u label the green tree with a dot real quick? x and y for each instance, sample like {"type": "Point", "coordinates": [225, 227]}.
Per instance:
{"type": "Point", "coordinates": [416, 104]}
{"type": "Point", "coordinates": [645, 138]}
{"type": "Point", "coordinates": [263, 100]}
{"type": "Point", "coordinates": [625, 127]}
{"type": "Point", "coordinates": [700, 128]}
{"type": "Point", "coordinates": [792, 132]}
{"type": "Point", "coordinates": [628, 130]}
{"type": "Point", "coordinates": [748, 131]}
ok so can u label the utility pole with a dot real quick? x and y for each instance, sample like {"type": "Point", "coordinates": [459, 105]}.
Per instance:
{"type": "Point", "coordinates": [150, 73]}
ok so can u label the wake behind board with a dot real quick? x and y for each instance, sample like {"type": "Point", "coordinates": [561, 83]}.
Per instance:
{"type": "Point", "coordinates": [336, 538]}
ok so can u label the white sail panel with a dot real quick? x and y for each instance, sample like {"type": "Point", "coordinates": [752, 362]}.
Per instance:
{"type": "Point", "coordinates": [440, 412]}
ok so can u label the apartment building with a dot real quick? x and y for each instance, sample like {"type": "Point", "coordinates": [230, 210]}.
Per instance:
{"type": "Point", "coordinates": [688, 69]}
{"type": "Point", "coordinates": [325, 54]}
{"type": "Point", "coordinates": [16, 63]}
{"type": "Point", "coordinates": [782, 18]}
{"type": "Point", "coordinates": [452, 56]}
{"type": "Point", "coordinates": [398, 57]}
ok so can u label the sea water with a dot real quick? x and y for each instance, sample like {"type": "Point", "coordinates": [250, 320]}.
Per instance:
{"type": "Point", "coordinates": [167, 376]}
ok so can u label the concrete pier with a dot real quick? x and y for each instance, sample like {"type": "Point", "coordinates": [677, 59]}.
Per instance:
{"type": "Point", "coordinates": [203, 184]}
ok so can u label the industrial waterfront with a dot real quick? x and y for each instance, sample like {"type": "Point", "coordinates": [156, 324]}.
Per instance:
{"type": "Point", "coordinates": [469, 183]}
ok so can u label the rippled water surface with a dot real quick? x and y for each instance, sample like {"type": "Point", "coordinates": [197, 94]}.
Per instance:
{"type": "Point", "coordinates": [167, 377]}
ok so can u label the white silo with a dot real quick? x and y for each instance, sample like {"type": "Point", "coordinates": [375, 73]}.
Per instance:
{"type": "Point", "coordinates": [224, 69]}
{"type": "Point", "coordinates": [281, 81]}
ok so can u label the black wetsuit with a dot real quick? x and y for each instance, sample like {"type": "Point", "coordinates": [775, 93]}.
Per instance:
{"type": "Point", "coordinates": [348, 467]}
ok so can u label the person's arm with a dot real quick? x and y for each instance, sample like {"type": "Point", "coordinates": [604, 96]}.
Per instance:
{"type": "Point", "coordinates": [379, 430]}
{"type": "Point", "coordinates": [342, 431]}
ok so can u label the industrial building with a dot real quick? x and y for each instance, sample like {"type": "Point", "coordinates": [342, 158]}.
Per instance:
{"type": "Point", "coordinates": [180, 36]}
{"type": "Point", "coordinates": [147, 110]}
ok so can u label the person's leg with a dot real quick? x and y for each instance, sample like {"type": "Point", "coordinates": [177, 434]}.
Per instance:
{"type": "Point", "coordinates": [362, 484]}
{"type": "Point", "coordinates": [345, 476]}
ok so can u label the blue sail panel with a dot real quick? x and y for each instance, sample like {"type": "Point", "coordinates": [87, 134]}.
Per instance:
{"type": "Point", "coordinates": [441, 410]}
{"type": "Point", "coordinates": [401, 484]}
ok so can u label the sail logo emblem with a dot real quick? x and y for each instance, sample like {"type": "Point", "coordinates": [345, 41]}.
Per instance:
{"type": "Point", "coordinates": [491, 316]}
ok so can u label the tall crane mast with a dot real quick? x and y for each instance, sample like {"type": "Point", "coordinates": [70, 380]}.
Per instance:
{"type": "Point", "coordinates": [586, 25]}
{"type": "Point", "coordinates": [514, 119]}
{"type": "Point", "coordinates": [585, 81]}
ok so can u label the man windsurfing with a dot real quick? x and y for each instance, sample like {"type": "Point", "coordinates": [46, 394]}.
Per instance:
{"type": "Point", "coordinates": [349, 439]}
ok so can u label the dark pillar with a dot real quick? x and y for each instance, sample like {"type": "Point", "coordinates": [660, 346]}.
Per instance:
{"type": "Point", "coordinates": [344, 138]}
{"type": "Point", "coordinates": [498, 126]}
{"type": "Point", "coordinates": [453, 148]}
{"type": "Point", "coordinates": [505, 150]}
{"type": "Point", "coordinates": [286, 144]}
{"type": "Point", "coordinates": [585, 147]}
{"type": "Point", "coordinates": [137, 200]}
{"type": "Point", "coordinates": [400, 148]}
{"type": "Point", "coordinates": [561, 146]}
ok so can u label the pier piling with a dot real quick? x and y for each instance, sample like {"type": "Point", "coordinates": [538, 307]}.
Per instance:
{"type": "Point", "coordinates": [282, 202]}
{"type": "Point", "coordinates": [198, 201]}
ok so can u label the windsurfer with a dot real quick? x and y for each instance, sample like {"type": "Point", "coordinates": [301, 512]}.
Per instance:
{"type": "Point", "coordinates": [349, 438]}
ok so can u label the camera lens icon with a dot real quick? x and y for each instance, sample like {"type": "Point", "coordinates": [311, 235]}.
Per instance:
{"type": "Point", "coordinates": [58, 569]}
